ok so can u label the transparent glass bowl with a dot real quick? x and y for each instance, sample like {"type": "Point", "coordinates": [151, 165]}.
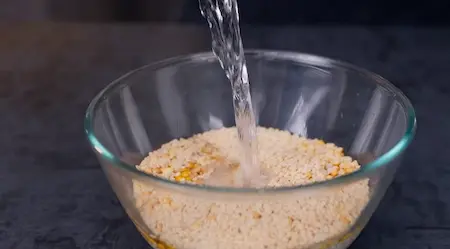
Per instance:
{"type": "Point", "coordinates": [305, 94]}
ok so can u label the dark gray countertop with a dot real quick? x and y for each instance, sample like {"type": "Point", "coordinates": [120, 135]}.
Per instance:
{"type": "Point", "coordinates": [54, 195]}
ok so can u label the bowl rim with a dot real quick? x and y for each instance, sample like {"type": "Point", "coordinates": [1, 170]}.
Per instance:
{"type": "Point", "coordinates": [298, 57]}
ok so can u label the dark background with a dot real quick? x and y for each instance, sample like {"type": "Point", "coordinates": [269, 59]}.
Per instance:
{"type": "Point", "coordinates": [55, 55]}
{"type": "Point", "coordinates": [282, 12]}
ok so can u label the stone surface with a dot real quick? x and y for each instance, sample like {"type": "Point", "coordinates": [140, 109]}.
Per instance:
{"type": "Point", "coordinates": [54, 195]}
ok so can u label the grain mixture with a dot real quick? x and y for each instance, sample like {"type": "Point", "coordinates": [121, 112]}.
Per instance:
{"type": "Point", "coordinates": [192, 222]}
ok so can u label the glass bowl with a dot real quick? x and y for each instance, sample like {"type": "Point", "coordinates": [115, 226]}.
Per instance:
{"type": "Point", "coordinates": [311, 96]}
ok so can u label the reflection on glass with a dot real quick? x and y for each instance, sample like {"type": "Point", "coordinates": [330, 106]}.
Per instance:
{"type": "Point", "coordinates": [314, 89]}
{"type": "Point", "coordinates": [133, 117]}
{"type": "Point", "coordinates": [337, 90]}
{"type": "Point", "coordinates": [171, 103]}
{"type": "Point", "coordinates": [372, 117]}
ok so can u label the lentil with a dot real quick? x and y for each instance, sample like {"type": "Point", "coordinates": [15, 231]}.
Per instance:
{"type": "Point", "coordinates": [193, 222]}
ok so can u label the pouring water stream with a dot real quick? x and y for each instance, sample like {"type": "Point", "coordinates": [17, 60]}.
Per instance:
{"type": "Point", "coordinates": [223, 20]}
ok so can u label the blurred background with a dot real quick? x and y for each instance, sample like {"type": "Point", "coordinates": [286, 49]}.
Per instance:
{"type": "Point", "coordinates": [55, 55]}
{"type": "Point", "coordinates": [362, 12]}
